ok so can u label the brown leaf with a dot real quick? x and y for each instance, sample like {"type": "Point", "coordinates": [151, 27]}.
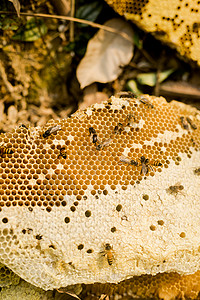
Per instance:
{"type": "Point", "coordinates": [106, 54]}
{"type": "Point", "coordinates": [16, 4]}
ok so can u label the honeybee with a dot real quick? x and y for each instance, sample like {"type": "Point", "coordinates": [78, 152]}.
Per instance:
{"type": "Point", "coordinates": [174, 189]}
{"type": "Point", "coordinates": [125, 94]}
{"type": "Point", "coordinates": [94, 135]}
{"type": "Point", "coordinates": [51, 130]}
{"type": "Point", "coordinates": [127, 160]}
{"type": "Point", "coordinates": [197, 171]}
{"type": "Point", "coordinates": [193, 126]}
{"type": "Point", "coordinates": [63, 153]}
{"type": "Point", "coordinates": [23, 126]}
{"type": "Point", "coordinates": [130, 120]}
{"type": "Point", "coordinates": [146, 102]}
{"type": "Point", "coordinates": [184, 123]}
{"type": "Point", "coordinates": [104, 144]}
{"type": "Point", "coordinates": [119, 128]}
{"type": "Point", "coordinates": [108, 253]}
{"type": "Point", "coordinates": [4, 151]}
{"type": "Point", "coordinates": [147, 166]}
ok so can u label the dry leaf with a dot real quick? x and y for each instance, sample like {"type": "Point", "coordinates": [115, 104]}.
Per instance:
{"type": "Point", "coordinates": [106, 54]}
{"type": "Point", "coordinates": [16, 4]}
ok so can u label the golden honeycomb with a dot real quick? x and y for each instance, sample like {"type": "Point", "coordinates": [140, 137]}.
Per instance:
{"type": "Point", "coordinates": [175, 22]}
{"type": "Point", "coordinates": [167, 286]}
{"type": "Point", "coordinates": [122, 173]}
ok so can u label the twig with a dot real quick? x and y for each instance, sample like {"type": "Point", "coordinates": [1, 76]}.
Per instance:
{"type": "Point", "coordinates": [93, 24]}
{"type": "Point", "coordinates": [159, 69]}
{"type": "Point", "coordinates": [71, 26]}
{"type": "Point", "coordinates": [157, 86]}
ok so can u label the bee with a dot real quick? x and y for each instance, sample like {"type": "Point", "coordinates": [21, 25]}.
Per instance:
{"type": "Point", "coordinates": [5, 151]}
{"type": "Point", "coordinates": [125, 94]}
{"type": "Point", "coordinates": [130, 120]}
{"type": "Point", "coordinates": [197, 171]}
{"type": "Point", "coordinates": [146, 102]}
{"type": "Point", "coordinates": [193, 126]}
{"type": "Point", "coordinates": [23, 126]}
{"type": "Point", "coordinates": [104, 144]}
{"type": "Point", "coordinates": [127, 160]}
{"type": "Point", "coordinates": [63, 153]}
{"type": "Point", "coordinates": [108, 253]}
{"type": "Point", "coordinates": [174, 189]}
{"type": "Point", "coordinates": [94, 135]}
{"type": "Point", "coordinates": [146, 165]}
{"type": "Point", "coordinates": [51, 130]}
{"type": "Point", "coordinates": [184, 123]}
{"type": "Point", "coordinates": [193, 142]}
{"type": "Point", "coordinates": [119, 128]}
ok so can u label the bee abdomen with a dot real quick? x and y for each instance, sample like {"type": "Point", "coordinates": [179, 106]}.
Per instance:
{"type": "Point", "coordinates": [157, 163]}
{"type": "Point", "coordinates": [110, 261]}
{"type": "Point", "coordinates": [4, 151]}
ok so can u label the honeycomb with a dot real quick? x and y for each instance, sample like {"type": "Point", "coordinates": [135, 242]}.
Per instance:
{"type": "Point", "coordinates": [25, 291]}
{"type": "Point", "coordinates": [166, 286]}
{"type": "Point", "coordinates": [175, 22]}
{"type": "Point", "coordinates": [7, 277]}
{"type": "Point", "coordinates": [105, 195]}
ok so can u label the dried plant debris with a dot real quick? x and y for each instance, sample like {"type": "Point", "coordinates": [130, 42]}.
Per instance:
{"type": "Point", "coordinates": [73, 214]}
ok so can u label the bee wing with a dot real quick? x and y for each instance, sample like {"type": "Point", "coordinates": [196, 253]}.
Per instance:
{"type": "Point", "coordinates": [124, 159]}
{"type": "Point", "coordinates": [55, 128]}
{"type": "Point", "coordinates": [106, 142]}
{"type": "Point", "coordinates": [144, 170]}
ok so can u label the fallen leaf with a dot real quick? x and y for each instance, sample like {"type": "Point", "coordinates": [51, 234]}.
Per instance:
{"type": "Point", "coordinates": [106, 54]}
{"type": "Point", "coordinates": [150, 78]}
{"type": "Point", "coordinates": [16, 4]}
